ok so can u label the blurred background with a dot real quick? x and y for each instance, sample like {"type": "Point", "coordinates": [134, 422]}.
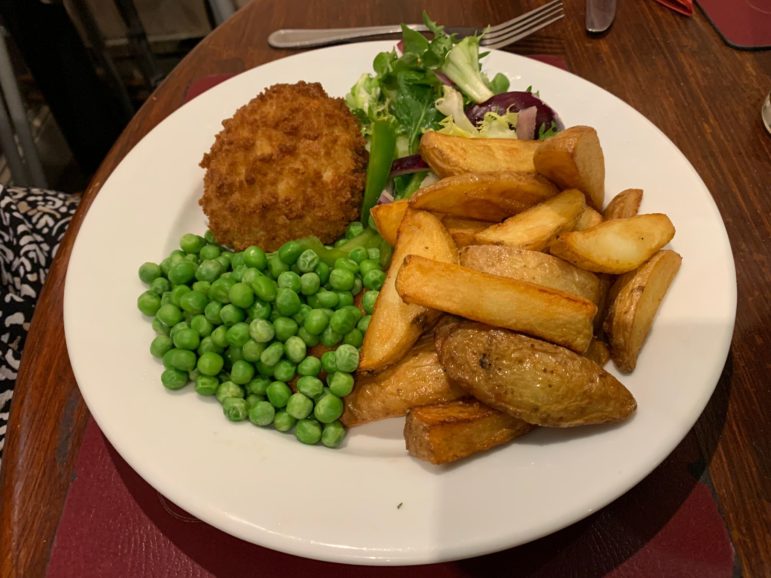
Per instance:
{"type": "Point", "coordinates": [73, 72]}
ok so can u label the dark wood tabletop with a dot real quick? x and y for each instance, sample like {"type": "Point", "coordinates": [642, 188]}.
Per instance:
{"type": "Point", "coordinates": [676, 70]}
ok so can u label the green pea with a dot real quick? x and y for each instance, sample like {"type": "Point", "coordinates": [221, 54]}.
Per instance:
{"type": "Point", "coordinates": [251, 350]}
{"type": "Point", "coordinates": [310, 366]}
{"type": "Point", "coordinates": [160, 345]}
{"type": "Point", "coordinates": [241, 295]}
{"type": "Point", "coordinates": [344, 299]}
{"type": "Point", "coordinates": [260, 310]}
{"type": "Point", "coordinates": [368, 300]}
{"type": "Point", "coordinates": [149, 272]}
{"type": "Point", "coordinates": [347, 264]}
{"type": "Point", "coordinates": [299, 406]}
{"type": "Point", "coordinates": [186, 339]}
{"type": "Point", "coordinates": [328, 408]}
{"type": "Point", "coordinates": [328, 299]}
{"type": "Point", "coordinates": [278, 394]}
{"type": "Point", "coordinates": [322, 270]}
{"type": "Point", "coordinates": [261, 330]}
{"type": "Point", "coordinates": [330, 337]}
{"type": "Point", "coordinates": [212, 312]}
{"type": "Point", "coordinates": [341, 279]}
{"type": "Point", "coordinates": [178, 327]}
{"type": "Point", "coordinates": [329, 362]}
{"type": "Point", "coordinates": [347, 358]}
{"type": "Point", "coordinates": [181, 273]}
{"type": "Point", "coordinates": [272, 353]}
{"type": "Point", "coordinates": [201, 325]}
{"type": "Point", "coordinates": [289, 252]}
{"type": "Point", "coordinates": [160, 286]}
{"type": "Point", "coordinates": [354, 229]}
{"type": "Point", "coordinates": [166, 299]}
{"type": "Point", "coordinates": [333, 434]}
{"type": "Point", "coordinates": [287, 301]}
{"type": "Point", "coordinates": [358, 255]}
{"type": "Point", "coordinates": [202, 287]}
{"type": "Point", "coordinates": [210, 363]}
{"type": "Point", "coordinates": [210, 251]}
{"type": "Point", "coordinates": [295, 349]}
{"type": "Point", "coordinates": [228, 389]}
{"type": "Point", "coordinates": [363, 323]}
{"type": "Point", "coordinates": [258, 386]}
{"type": "Point", "coordinates": [309, 339]}
{"type": "Point", "coordinates": [308, 431]}
{"type": "Point", "coordinates": [340, 383]}
{"type": "Point", "coordinates": [300, 316]}
{"type": "Point", "coordinates": [264, 369]}
{"type": "Point", "coordinates": [235, 409]}
{"type": "Point", "coordinates": [374, 254]}
{"type": "Point", "coordinates": [238, 334]}
{"type": "Point", "coordinates": [224, 261]}
{"type": "Point", "coordinates": [354, 337]}
{"type": "Point", "coordinates": [284, 370]}
{"type": "Point", "coordinates": [193, 302]}
{"type": "Point", "coordinates": [310, 283]}
{"type": "Point", "coordinates": [159, 327]}
{"type": "Point", "coordinates": [220, 289]}
{"type": "Point", "coordinates": [262, 413]}
{"type": "Point", "coordinates": [149, 303]}
{"type": "Point", "coordinates": [250, 275]}
{"type": "Point", "coordinates": [191, 243]}
{"type": "Point", "coordinates": [178, 292]}
{"type": "Point", "coordinates": [342, 321]}
{"type": "Point", "coordinates": [174, 378]}
{"type": "Point", "coordinates": [285, 328]}
{"type": "Point", "coordinates": [265, 289]}
{"type": "Point", "coordinates": [289, 280]}
{"type": "Point", "coordinates": [237, 261]}
{"type": "Point", "coordinates": [253, 399]}
{"type": "Point", "coordinates": [374, 279]}
{"type": "Point", "coordinates": [255, 257]}
{"type": "Point", "coordinates": [316, 322]}
{"type": "Point", "coordinates": [209, 237]}
{"type": "Point", "coordinates": [181, 359]}
{"type": "Point", "coordinates": [241, 372]}
{"type": "Point", "coordinates": [207, 344]}
{"type": "Point", "coordinates": [231, 314]}
{"type": "Point", "coordinates": [307, 261]}
{"type": "Point", "coordinates": [368, 265]}
{"type": "Point", "coordinates": [310, 386]}
{"type": "Point", "coordinates": [219, 336]}
{"type": "Point", "coordinates": [357, 286]}
{"type": "Point", "coordinates": [206, 384]}
{"type": "Point", "coordinates": [276, 266]}
{"type": "Point", "coordinates": [283, 422]}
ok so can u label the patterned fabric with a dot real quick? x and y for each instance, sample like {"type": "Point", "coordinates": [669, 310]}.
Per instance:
{"type": "Point", "coordinates": [32, 223]}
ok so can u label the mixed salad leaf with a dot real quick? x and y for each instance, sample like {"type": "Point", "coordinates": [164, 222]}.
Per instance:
{"type": "Point", "coordinates": [437, 84]}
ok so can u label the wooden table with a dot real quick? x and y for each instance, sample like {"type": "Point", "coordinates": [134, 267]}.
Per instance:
{"type": "Point", "coordinates": [677, 71]}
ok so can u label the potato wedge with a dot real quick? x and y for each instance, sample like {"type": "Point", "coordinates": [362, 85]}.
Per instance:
{"type": "Point", "coordinates": [449, 432]}
{"type": "Point", "coordinates": [623, 205]}
{"type": "Point", "coordinates": [638, 296]}
{"type": "Point", "coordinates": [535, 228]}
{"type": "Point", "coordinates": [415, 380]}
{"type": "Point", "coordinates": [454, 155]}
{"type": "Point", "coordinates": [616, 246]}
{"type": "Point", "coordinates": [388, 217]}
{"type": "Point", "coordinates": [532, 380]}
{"type": "Point", "coordinates": [573, 159]}
{"type": "Point", "coordinates": [598, 352]}
{"type": "Point", "coordinates": [589, 218]}
{"type": "Point", "coordinates": [534, 309]}
{"type": "Point", "coordinates": [484, 196]}
{"type": "Point", "coordinates": [463, 230]}
{"type": "Point", "coordinates": [533, 267]}
{"type": "Point", "coordinates": [395, 325]}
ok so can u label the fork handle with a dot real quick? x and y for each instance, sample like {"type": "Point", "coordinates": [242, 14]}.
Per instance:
{"type": "Point", "coordinates": [309, 38]}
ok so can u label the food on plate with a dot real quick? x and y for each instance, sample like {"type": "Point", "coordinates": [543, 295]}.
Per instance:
{"type": "Point", "coordinates": [637, 298]}
{"type": "Point", "coordinates": [615, 246]}
{"type": "Point", "coordinates": [598, 352]}
{"type": "Point", "coordinates": [530, 379]}
{"type": "Point", "coordinates": [624, 204]}
{"type": "Point", "coordinates": [449, 155]}
{"type": "Point", "coordinates": [463, 230]}
{"type": "Point", "coordinates": [387, 218]}
{"type": "Point", "coordinates": [536, 227]}
{"type": "Point", "coordinates": [397, 325]}
{"type": "Point", "coordinates": [589, 218]}
{"type": "Point", "coordinates": [534, 267]}
{"type": "Point", "coordinates": [573, 159]}
{"type": "Point", "coordinates": [415, 380]}
{"type": "Point", "coordinates": [503, 302]}
{"type": "Point", "coordinates": [288, 164]}
{"type": "Point", "coordinates": [448, 432]}
{"type": "Point", "coordinates": [484, 196]}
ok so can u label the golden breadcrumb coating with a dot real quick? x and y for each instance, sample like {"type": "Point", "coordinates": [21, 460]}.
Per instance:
{"type": "Point", "coordinates": [288, 164]}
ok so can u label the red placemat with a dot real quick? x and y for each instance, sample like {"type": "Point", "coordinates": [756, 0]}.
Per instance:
{"type": "Point", "coordinates": [741, 23]}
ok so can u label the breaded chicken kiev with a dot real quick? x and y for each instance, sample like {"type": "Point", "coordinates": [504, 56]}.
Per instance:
{"type": "Point", "coordinates": [290, 163]}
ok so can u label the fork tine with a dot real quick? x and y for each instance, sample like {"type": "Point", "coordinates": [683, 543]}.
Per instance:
{"type": "Point", "coordinates": [521, 31]}
{"type": "Point", "coordinates": [504, 27]}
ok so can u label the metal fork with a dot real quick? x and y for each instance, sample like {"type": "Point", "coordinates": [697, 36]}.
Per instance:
{"type": "Point", "coordinates": [496, 36]}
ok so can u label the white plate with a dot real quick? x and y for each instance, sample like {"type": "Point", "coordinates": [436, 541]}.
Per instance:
{"type": "Point", "coordinates": [369, 502]}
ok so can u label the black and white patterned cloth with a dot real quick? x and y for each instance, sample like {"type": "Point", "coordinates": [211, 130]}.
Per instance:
{"type": "Point", "coordinates": [32, 223]}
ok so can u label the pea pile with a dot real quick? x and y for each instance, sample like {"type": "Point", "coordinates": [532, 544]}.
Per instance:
{"type": "Point", "coordinates": [243, 326]}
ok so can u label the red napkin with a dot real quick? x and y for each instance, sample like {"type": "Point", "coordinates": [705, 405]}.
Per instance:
{"type": "Point", "coordinates": [681, 6]}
